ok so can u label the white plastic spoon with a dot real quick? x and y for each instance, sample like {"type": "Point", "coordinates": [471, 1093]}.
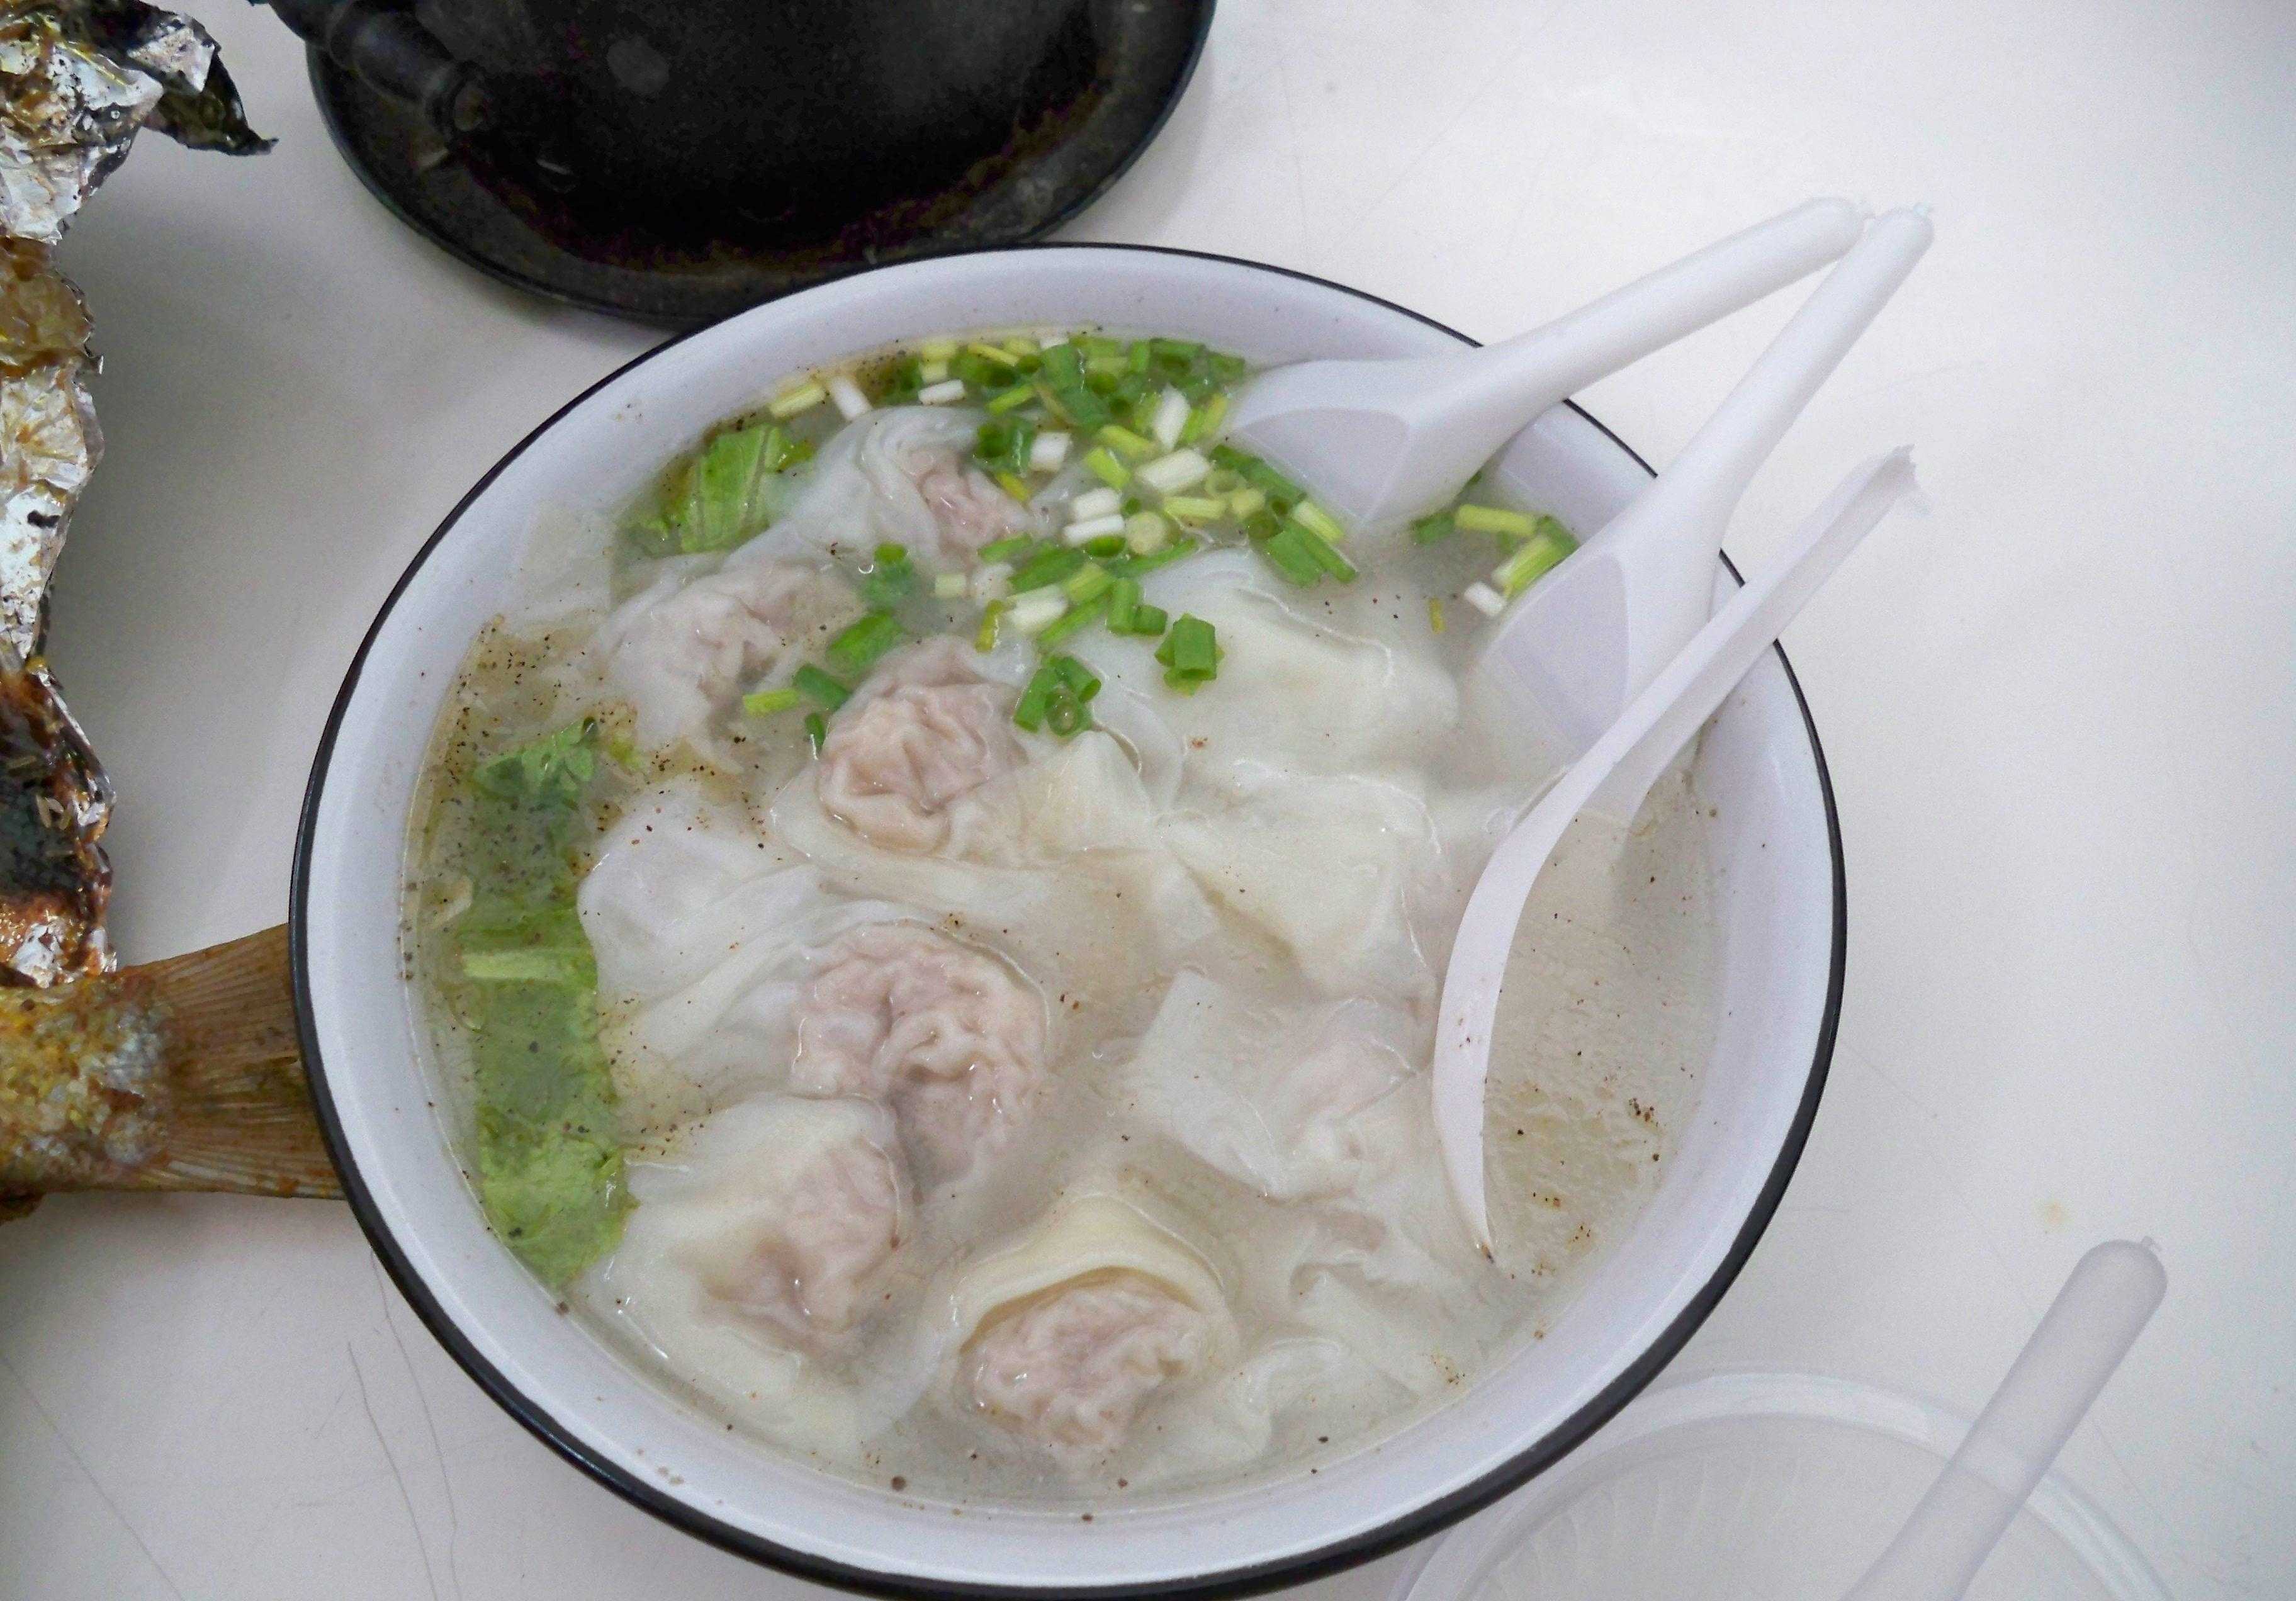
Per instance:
{"type": "Point", "coordinates": [1592, 632]}
{"type": "Point", "coordinates": [1379, 440]}
{"type": "Point", "coordinates": [2082, 1338]}
{"type": "Point", "coordinates": [1613, 776]}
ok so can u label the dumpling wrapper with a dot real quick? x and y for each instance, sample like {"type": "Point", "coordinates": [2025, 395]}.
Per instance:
{"type": "Point", "coordinates": [755, 1246]}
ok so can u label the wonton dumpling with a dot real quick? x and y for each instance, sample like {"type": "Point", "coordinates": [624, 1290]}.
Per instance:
{"type": "Point", "coordinates": [1338, 870]}
{"type": "Point", "coordinates": [1064, 1336]}
{"type": "Point", "coordinates": [1292, 694]}
{"type": "Point", "coordinates": [704, 933]}
{"type": "Point", "coordinates": [1296, 1101]}
{"type": "Point", "coordinates": [947, 1035]}
{"type": "Point", "coordinates": [926, 730]}
{"type": "Point", "coordinates": [778, 1214]}
{"type": "Point", "coordinates": [681, 651]}
{"type": "Point", "coordinates": [901, 475]}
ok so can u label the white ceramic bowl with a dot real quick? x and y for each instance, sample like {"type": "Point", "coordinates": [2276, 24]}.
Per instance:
{"type": "Point", "coordinates": [1774, 840]}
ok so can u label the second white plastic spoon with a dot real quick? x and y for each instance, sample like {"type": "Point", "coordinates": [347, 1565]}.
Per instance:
{"type": "Point", "coordinates": [1617, 769]}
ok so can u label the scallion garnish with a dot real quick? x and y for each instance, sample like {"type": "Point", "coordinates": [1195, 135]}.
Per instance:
{"type": "Point", "coordinates": [891, 577]}
{"type": "Point", "coordinates": [1536, 556]}
{"type": "Point", "coordinates": [1428, 530]}
{"type": "Point", "coordinates": [766, 702]}
{"type": "Point", "coordinates": [1089, 580]}
{"type": "Point", "coordinates": [816, 730]}
{"type": "Point", "coordinates": [1204, 421]}
{"type": "Point", "coordinates": [1102, 465]}
{"type": "Point", "coordinates": [855, 649]}
{"type": "Point", "coordinates": [1493, 520]}
{"type": "Point", "coordinates": [1170, 475]}
{"type": "Point", "coordinates": [1325, 554]}
{"type": "Point", "coordinates": [1281, 492]}
{"type": "Point", "coordinates": [1147, 620]}
{"type": "Point", "coordinates": [1124, 439]}
{"type": "Point", "coordinates": [1319, 522]}
{"type": "Point", "coordinates": [804, 397]}
{"type": "Point", "coordinates": [819, 687]}
{"type": "Point", "coordinates": [1104, 546]}
{"type": "Point", "coordinates": [1012, 399]}
{"type": "Point", "coordinates": [1191, 653]}
{"type": "Point", "coordinates": [984, 638]}
{"type": "Point", "coordinates": [1057, 696]}
{"type": "Point", "coordinates": [1046, 567]}
{"type": "Point", "coordinates": [1434, 615]}
{"type": "Point", "coordinates": [1287, 551]}
{"type": "Point", "coordinates": [1075, 619]}
{"type": "Point", "coordinates": [1123, 605]}
{"type": "Point", "coordinates": [1007, 550]}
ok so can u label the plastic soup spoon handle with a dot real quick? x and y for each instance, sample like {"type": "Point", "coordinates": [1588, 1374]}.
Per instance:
{"type": "Point", "coordinates": [2096, 1318]}
{"type": "Point", "coordinates": [1378, 440]}
{"type": "Point", "coordinates": [1597, 628]}
{"type": "Point", "coordinates": [1621, 764]}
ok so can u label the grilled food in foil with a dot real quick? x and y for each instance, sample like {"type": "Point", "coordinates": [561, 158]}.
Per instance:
{"type": "Point", "coordinates": [79, 78]}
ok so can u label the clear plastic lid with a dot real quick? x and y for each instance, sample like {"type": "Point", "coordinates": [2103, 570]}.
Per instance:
{"type": "Point", "coordinates": [1758, 1487]}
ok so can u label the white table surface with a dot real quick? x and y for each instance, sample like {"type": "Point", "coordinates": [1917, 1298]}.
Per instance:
{"type": "Point", "coordinates": [2058, 711]}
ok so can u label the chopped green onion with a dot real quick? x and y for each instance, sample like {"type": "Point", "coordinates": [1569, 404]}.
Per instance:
{"type": "Point", "coordinates": [1145, 533]}
{"type": "Point", "coordinates": [817, 730]}
{"type": "Point", "coordinates": [891, 577]}
{"type": "Point", "coordinates": [1248, 502]}
{"type": "Point", "coordinates": [851, 402]}
{"type": "Point", "coordinates": [1094, 503]}
{"type": "Point", "coordinates": [1105, 467]}
{"type": "Point", "coordinates": [1327, 555]}
{"type": "Point", "coordinates": [766, 702]}
{"type": "Point", "coordinates": [1287, 550]}
{"type": "Point", "coordinates": [1076, 676]}
{"type": "Point", "coordinates": [1434, 614]}
{"type": "Point", "coordinates": [1038, 609]}
{"type": "Point", "coordinates": [1136, 359]}
{"type": "Point", "coordinates": [819, 687]}
{"type": "Point", "coordinates": [1136, 566]}
{"type": "Point", "coordinates": [1007, 550]}
{"type": "Point", "coordinates": [1281, 491]}
{"type": "Point", "coordinates": [1319, 522]}
{"type": "Point", "coordinates": [1205, 420]}
{"type": "Point", "coordinates": [1100, 344]}
{"type": "Point", "coordinates": [938, 350]}
{"type": "Point", "coordinates": [1530, 562]}
{"type": "Point", "coordinates": [984, 638]}
{"type": "Point", "coordinates": [1092, 528]}
{"type": "Point", "coordinates": [1170, 475]}
{"type": "Point", "coordinates": [1087, 581]}
{"type": "Point", "coordinates": [1004, 358]}
{"type": "Point", "coordinates": [1104, 546]}
{"type": "Point", "coordinates": [1191, 653]}
{"type": "Point", "coordinates": [1193, 508]}
{"type": "Point", "coordinates": [949, 586]}
{"type": "Point", "coordinates": [1123, 605]}
{"type": "Point", "coordinates": [1049, 454]}
{"type": "Point", "coordinates": [804, 397]}
{"type": "Point", "coordinates": [1019, 395]}
{"type": "Point", "coordinates": [1428, 530]}
{"type": "Point", "coordinates": [1124, 439]}
{"type": "Point", "coordinates": [947, 392]}
{"type": "Point", "coordinates": [1148, 621]}
{"type": "Point", "coordinates": [1064, 366]}
{"type": "Point", "coordinates": [1014, 485]}
{"type": "Point", "coordinates": [1075, 619]}
{"type": "Point", "coordinates": [1049, 567]}
{"type": "Point", "coordinates": [1171, 418]}
{"type": "Point", "coordinates": [1494, 520]}
{"type": "Point", "coordinates": [1483, 598]}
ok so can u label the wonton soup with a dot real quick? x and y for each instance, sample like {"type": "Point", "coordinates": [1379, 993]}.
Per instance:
{"type": "Point", "coordinates": [933, 923]}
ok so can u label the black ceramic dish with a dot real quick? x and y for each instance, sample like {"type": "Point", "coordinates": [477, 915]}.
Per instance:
{"type": "Point", "coordinates": [710, 174]}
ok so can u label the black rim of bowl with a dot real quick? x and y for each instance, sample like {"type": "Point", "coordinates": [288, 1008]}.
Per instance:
{"type": "Point", "coordinates": [1341, 1554]}
{"type": "Point", "coordinates": [333, 90]}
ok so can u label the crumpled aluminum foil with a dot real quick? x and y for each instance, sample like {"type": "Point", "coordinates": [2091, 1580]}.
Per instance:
{"type": "Point", "coordinates": [77, 79]}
